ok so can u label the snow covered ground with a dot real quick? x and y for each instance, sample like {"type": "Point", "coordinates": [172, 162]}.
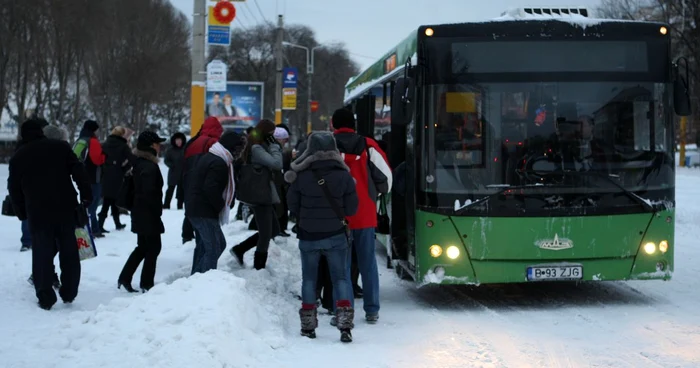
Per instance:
{"type": "Point", "coordinates": [238, 317]}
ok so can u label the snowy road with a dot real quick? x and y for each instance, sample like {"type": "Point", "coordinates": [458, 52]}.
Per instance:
{"type": "Point", "coordinates": [242, 318]}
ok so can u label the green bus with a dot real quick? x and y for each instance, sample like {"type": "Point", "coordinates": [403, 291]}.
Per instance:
{"type": "Point", "coordinates": [538, 146]}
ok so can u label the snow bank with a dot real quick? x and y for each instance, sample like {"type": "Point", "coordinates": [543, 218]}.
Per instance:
{"type": "Point", "coordinates": [206, 320]}
{"type": "Point", "coordinates": [216, 319]}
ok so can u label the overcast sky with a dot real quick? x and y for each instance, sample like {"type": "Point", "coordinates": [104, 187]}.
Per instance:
{"type": "Point", "coordinates": [370, 28]}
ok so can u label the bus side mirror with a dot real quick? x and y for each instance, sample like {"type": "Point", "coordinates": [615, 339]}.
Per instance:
{"type": "Point", "coordinates": [402, 102]}
{"type": "Point", "coordinates": [681, 94]}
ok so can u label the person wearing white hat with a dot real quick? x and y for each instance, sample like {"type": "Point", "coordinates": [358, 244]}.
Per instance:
{"type": "Point", "coordinates": [281, 135]}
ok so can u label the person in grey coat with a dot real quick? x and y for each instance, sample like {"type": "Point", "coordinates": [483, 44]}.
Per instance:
{"type": "Point", "coordinates": [262, 150]}
{"type": "Point", "coordinates": [322, 230]}
{"type": "Point", "coordinates": [175, 160]}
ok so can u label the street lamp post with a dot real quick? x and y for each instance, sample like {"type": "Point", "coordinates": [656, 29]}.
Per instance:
{"type": "Point", "coordinates": [309, 73]}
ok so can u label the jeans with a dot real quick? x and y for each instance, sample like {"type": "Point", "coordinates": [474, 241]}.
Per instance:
{"type": "Point", "coordinates": [210, 244]}
{"type": "Point", "coordinates": [363, 245]}
{"type": "Point", "coordinates": [92, 210]}
{"type": "Point", "coordinates": [335, 249]}
{"type": "Point", "coordinates": [147, 250]}
{"type": "Point", "coordinates": [49, 239]}
{"type": "Point", "coordinates": [26, 235]}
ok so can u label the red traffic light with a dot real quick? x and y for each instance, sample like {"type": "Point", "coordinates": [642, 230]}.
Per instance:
{"type": "Point", "coordinates": [314, 106]}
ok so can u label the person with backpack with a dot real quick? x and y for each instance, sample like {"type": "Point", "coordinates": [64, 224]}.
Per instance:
{"type": "Point", "coordinates": [369, 167]}
{"type": "Point", "coordinates": [197, 147]}
{"type": "Point", "coordinates": [117, 164]}
{"type": "Point", "coordinates": [322, 194]}
{"type": "Point", "coordinates": [263, 152]}
{"type": "Point", "coordinates": [89, 152]}
{"type": "Point", "coordinates": [210, 198]}
{"type": "Point", "coordinates": [146, 213]}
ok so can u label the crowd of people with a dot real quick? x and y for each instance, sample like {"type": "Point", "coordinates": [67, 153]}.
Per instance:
{"type": "Point", "coordinates": [330, 184]}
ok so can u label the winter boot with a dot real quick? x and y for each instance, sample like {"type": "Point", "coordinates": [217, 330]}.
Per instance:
{"type": "Point", "coordinates": [344, 317]}
{"type": "Point", "coordinates": [239, 250]}
{"type": "Point", "coordinates": [259, 260]}
{"type": "Point", "coordinates": [372, 318]}
{"type": "Point", "coordinates": [309, 320]}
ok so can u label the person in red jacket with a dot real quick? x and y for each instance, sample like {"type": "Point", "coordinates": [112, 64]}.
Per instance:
{"type": "Point", "coordinates": [197, 146]}
{"type": "Point", "coordinates": [370, 168]}
{"type": "Point", "coordinates": [89, 151]}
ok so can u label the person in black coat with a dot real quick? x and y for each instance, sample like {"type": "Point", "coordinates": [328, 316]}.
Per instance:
{"type": "Point", "coordinates": [51, 211]}
{"type": "Point", "coordinates": [146, 213]}
{"type": "Point", "coordinates": [210, 197]}
{"type": "Point", "coordinates": [322, 226]}
{"type": "Point", "coordinates": [118, 159]}
{"type": "Point", "coordinates": [175, 160]}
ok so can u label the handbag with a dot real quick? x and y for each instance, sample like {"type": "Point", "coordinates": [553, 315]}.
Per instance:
{"type": "Point", "coordinates": [7, 209]}
{"type": "Point", "coordinates": [383, 223]}
{"type": "Point", "coordinates": [254, 184]}
{"type": "Point", "coordinates": [334, 205]}
{"type": "Point", "coordinates": [83, 235]}
{"type": "Point", "coordinates": [127, 192]}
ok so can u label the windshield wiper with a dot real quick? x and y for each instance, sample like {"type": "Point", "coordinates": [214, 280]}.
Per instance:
{"type": "Point", "coordinates": [504, 188]}
{"type": "Point", "coordinates": [643, 202]}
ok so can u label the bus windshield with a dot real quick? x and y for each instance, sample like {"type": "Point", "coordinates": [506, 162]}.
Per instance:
{"type": "Point", "coordinates": [481, 137]}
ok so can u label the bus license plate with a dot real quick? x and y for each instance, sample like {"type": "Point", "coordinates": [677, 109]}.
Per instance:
{"type": "Point", "coordinates": [553, 273]}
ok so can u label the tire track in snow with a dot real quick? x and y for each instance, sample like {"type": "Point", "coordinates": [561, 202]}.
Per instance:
{"type": "Point", "coordinates": [520, 352]}
{"type": "Point", "coordinates": [634, 359]}
{"type": "Point", "coordinates": [437, 298]}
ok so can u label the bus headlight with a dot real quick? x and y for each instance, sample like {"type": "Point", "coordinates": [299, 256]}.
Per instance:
{"type": "Point", "coordinates": [435, 250]}
{"type": "Point", "coordinates": [452, 252]}
{"type": "Point", "coordinates": [650, 248]}
{"type": "Point", "coordinates": [663, 246]}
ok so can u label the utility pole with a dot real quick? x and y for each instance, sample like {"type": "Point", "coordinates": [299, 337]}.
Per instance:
{"type": "Point", "coordinates": [310, 73]}
{"type": "Point", "coordinates": [280, 64]}
{"type": "Point", "coordinates": [199, 80]}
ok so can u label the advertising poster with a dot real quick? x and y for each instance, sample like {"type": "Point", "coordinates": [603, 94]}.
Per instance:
{"type": "Point", "coordinates": [239, 107]}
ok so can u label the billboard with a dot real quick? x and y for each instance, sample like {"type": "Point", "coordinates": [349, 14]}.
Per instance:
{"type": "Point", "coordinates": [239, 107]}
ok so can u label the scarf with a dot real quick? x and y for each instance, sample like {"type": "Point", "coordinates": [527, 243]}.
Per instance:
{"type": "Point", "coordinates": [219, 150]}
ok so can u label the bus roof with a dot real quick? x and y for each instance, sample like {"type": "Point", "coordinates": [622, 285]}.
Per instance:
{"type": "Point", "coordinates": [395, 59]}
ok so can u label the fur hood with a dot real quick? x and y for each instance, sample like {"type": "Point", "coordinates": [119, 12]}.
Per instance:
{"type": "Point", "coordinates": [305, 162]}
{"type": "Point", "coordinates": [147, 155]}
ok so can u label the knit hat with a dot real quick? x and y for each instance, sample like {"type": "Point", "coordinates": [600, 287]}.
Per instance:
{"type": "Point", "coordinates": [233, 142]}
{"type": "Point", "coordinates": [147, 139]}
{"type": "Point", "coordinates": [91, 125]}
{"type": "Point", "coordinates": [32, 129]}
{"type": "Point", "coordinates": [343, 118]}
{"type": "Point", "coordinates": [54, 132]}
{"type": "Point", "coordinates": [281, 133]}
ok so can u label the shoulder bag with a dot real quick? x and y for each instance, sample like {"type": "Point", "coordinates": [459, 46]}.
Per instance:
{"type": "Point", "coordinates": [254, 184]}
{"type": "Point", "coordinates": [334, 205]}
